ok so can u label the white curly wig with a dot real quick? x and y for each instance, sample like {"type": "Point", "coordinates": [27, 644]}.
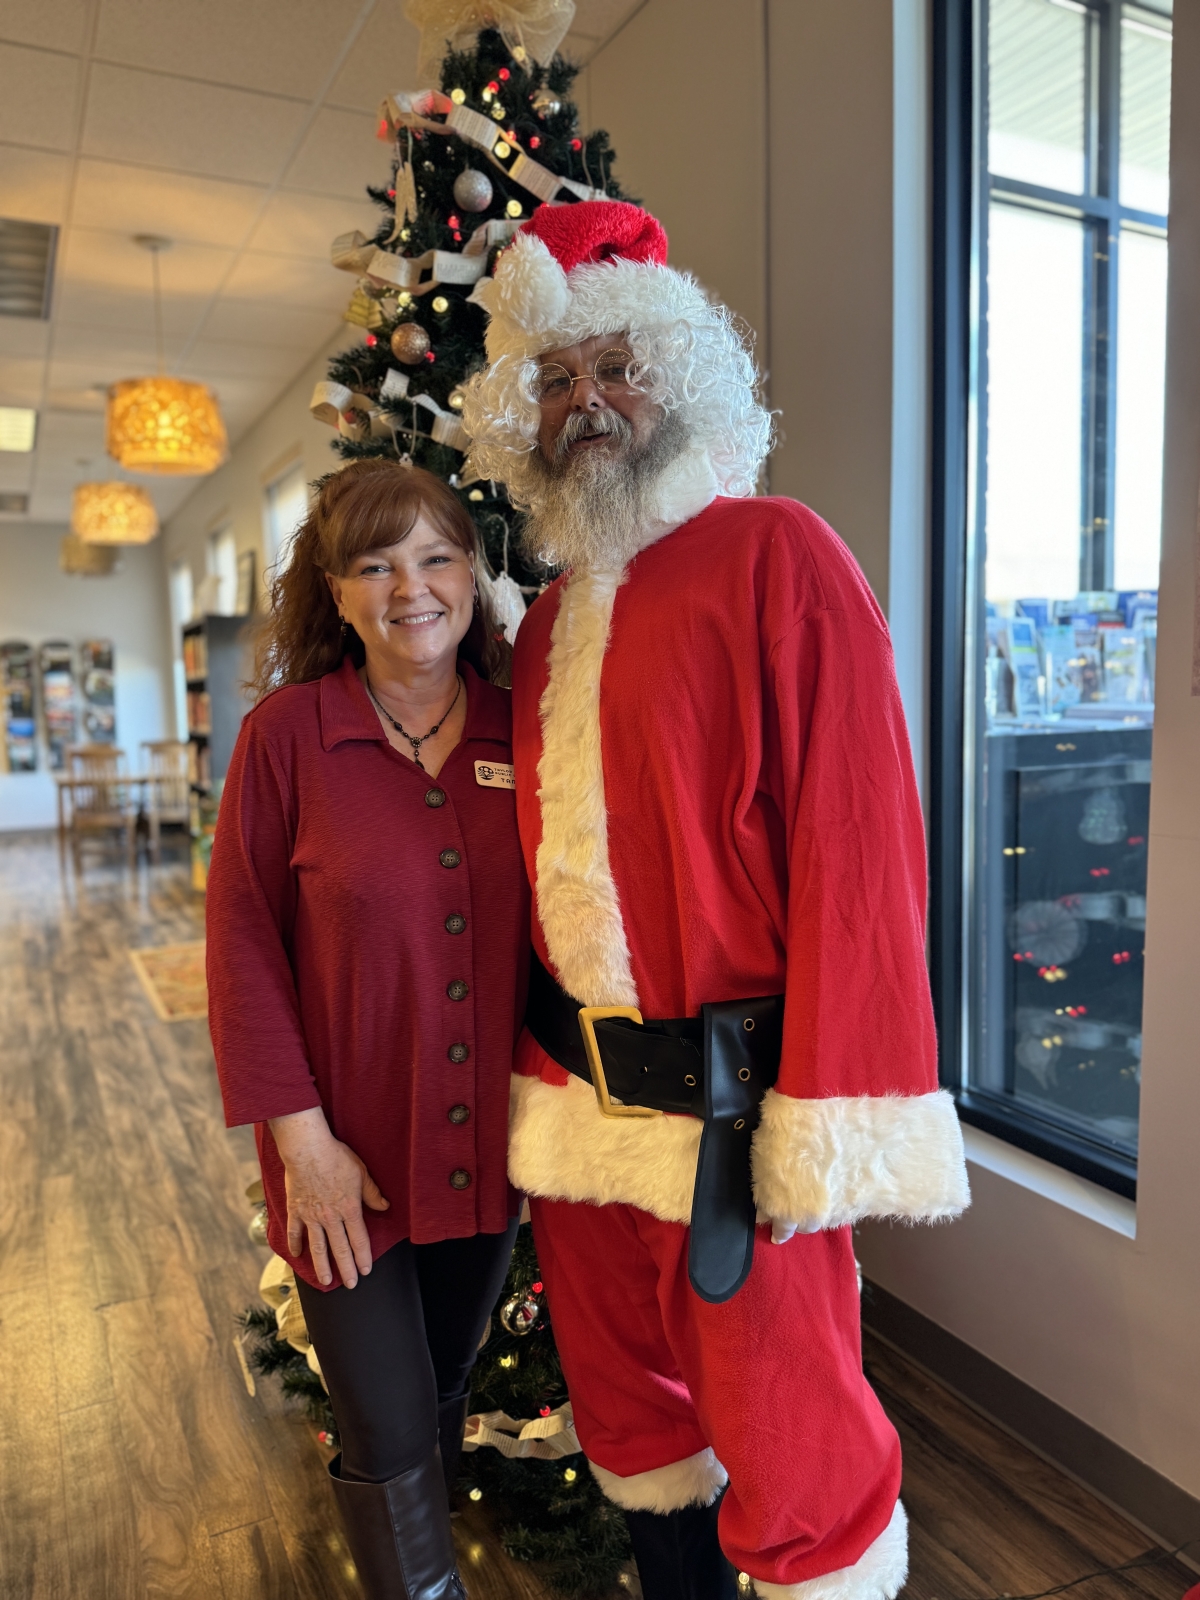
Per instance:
{"type": "Point", "coordinates": [689, 352]}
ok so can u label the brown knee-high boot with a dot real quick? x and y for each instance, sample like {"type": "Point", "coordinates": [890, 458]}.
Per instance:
{"type": "Point", "coordinates": [399, 1533]}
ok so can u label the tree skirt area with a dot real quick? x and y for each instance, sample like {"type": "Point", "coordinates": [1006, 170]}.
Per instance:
{"type": "Point", "coordinates": [173, 977]}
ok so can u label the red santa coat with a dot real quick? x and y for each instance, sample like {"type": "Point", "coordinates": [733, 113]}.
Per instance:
{"type": "Point", "coordinates": [716, 800]}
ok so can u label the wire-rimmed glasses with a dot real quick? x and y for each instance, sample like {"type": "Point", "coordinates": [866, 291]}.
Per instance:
{"type": "Point", "coordinates": [553, 385]}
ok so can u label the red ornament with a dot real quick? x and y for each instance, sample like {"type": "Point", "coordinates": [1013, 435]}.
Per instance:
{"type": "Point", "coordinates": [543, 1411]}
{"type": "Point", "coordinates": [534, 141]}
{"type": "Point", "coordinates": [391, 194]}
{"type": "Point", "coordinates": [576, 144]}
{"type": "Point", "coordinates": [453, 221]}
{"type": "Point", "coordinates": [458, 238]}
{"type": "Point", "coordinates": [535, 1288]}
{"type": "Point", "coordinates": [504, 74]}
{"type": "Point", "coordinates": [429, 356]}
{"type": "Point", "coordinates": [494, 86]}
{"type": "Point", "coordinates": [371, 339]}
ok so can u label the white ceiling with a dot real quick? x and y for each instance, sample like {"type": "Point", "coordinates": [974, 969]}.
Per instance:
{"type": "Point", "coordinates": [244, 130]}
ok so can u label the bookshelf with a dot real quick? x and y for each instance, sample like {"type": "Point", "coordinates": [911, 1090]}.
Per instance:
{"type": "Point", "coordinates": [215, 664]}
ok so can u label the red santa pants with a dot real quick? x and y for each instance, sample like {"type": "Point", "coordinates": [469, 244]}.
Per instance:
{"type": "Point", "coordinates": [770, 1383]}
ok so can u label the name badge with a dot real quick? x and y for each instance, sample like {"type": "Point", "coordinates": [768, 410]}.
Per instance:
{"type": "Point", "coordinates": [495, 775]}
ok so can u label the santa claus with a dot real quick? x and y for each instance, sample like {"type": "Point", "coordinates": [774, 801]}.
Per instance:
{"type": "Point", "coordinates": [730, 1054]}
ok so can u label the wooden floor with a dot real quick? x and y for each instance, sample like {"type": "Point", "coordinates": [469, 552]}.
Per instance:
{"type": "Point", "coordinates": [134, 1463]}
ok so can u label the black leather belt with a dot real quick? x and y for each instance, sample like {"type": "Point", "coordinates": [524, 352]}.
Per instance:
{"type": "Point", "coordinates": [716, 1067]}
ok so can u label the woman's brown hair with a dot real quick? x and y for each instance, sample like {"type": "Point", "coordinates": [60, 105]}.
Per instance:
{"type": "Point", "coordinates": [368, 505]}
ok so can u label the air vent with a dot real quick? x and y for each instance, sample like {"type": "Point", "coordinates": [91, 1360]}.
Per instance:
{"type": "Point", "coordinates": [14, 505]}
{"type": "Point", "coordinates": [26, 268]}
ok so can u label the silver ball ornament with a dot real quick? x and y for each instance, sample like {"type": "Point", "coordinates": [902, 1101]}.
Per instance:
{"type": "Point", "coordinates": [545, 102]}
{"type": "Point", "coordinates": [257, 1228]}
{"type": "Point", "coordinates": [410, 343]}
{"type": "Point", "coordinates": [518, 1313]}
{"type": "Point", "coordinates": [473, 190]}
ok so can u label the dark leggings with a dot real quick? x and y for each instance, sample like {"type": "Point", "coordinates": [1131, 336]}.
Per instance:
{"type": "Point", "coordinates": [401, 1343]}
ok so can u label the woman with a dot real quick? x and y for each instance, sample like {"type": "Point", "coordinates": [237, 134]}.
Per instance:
{"type": "Point", "coordinates": [367, 957]}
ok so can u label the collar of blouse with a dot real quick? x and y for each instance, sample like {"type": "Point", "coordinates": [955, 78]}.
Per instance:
{"type": "Point", "coordinates": [347, 713]}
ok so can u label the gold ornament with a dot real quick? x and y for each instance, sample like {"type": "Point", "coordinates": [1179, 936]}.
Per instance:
{"type": "Point", "coordinates": [113, 513]}
{"type": "Point", "coordinates": [364, 311]}
{"type": "Point", "coordinates": [498, 112]}
{"type": "Point", "coordinates": [165, 425]}
{"type": "Point", "coordinates": [455, 402]}
{"type": "Point", "coordinates": [257, 1228]}
{"type": "Point", "coordinates": [86, 560]}
{"type": "Point", "coordinates": [410, 343]}
{"type": "Point", "coordinates": [441, 304]}
{"type": "Point", "coordinates": [406, 299]}
{"type": "Point", "coordinates": [513, 208]}
{"type": "Point", "coordinates": [475, 494]}
{"type": "Point", "coordinates": [501, 151]}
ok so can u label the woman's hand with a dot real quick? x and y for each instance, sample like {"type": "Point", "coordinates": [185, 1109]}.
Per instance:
{"type": "Point", "coordinates": [327, 1186]}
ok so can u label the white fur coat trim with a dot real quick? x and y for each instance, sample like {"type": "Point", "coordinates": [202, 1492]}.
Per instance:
{"type": "Point", "coordinates": [819, 1162]}
{"type": "Point", "coordinates": [576, 896]}
{"type": "Point", "coordinates": [878, 1574]}
{"type": "Point", "coordinates": [561, 1148]}
{"type": "Point", "coordinates": [697, 1481]}
{"type": "Point", "coordinates": [833, 1161]}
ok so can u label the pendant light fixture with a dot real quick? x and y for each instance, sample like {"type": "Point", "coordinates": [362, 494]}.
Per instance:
{"type": "Point", "coordinates": [113, 513]}
{"type": "Point", "coordinates": [161, 424]}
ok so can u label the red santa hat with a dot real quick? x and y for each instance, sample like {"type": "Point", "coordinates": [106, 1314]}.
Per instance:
{"type": "Point", "coordinates": [596, 267]}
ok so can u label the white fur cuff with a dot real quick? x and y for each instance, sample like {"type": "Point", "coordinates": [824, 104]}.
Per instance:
{"type": "Point", "coordinates": [878, 1574]}
{"type": "Point", "coordinates": [697, 1481]}
{"type": "Point", "coordinates": [834, 1161]}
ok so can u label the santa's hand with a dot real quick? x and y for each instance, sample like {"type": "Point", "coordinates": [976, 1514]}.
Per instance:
{"type": "Point", "coordinates": [782, 1228]}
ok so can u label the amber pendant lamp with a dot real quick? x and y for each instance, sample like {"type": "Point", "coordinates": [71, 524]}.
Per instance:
{"type": "Point", "coordinates": [162, 424]}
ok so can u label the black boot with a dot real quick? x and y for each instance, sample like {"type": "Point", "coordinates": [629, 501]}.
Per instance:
{"type": "Point", "coordinates": [399, 1534]}
{"type": "Point", "coordinates": [678, 1556]}
{"type": "Point", "coordinates": [452, 1418]}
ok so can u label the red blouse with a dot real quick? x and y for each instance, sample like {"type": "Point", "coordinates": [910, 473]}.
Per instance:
{"type": "Point", "coordinates": [368, 935]}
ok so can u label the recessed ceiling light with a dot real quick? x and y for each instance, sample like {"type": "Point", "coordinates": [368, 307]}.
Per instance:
{"type": "Point", "coordinates": [18, 428]}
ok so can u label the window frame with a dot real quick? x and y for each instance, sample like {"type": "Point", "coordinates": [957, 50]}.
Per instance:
{"type": "Point", "coordinates": [963, 189]}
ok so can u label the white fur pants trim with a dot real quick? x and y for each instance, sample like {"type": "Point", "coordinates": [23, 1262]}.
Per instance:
{"type": "Point", "coordinates": [696, 1481]}
{"type": "Point", "coordinates": [878, 1574]}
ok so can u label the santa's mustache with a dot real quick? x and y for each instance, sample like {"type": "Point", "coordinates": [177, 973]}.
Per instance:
{"type": "Point", "coordinates": [589, 425]}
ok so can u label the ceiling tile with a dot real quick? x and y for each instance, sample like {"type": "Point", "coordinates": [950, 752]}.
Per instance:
{"type": "Point", "coordinates": [143, 117]}
{"type": "Point", "coordinates": [215, 360]}
{"type": "Point", "coordinates": [306, 224]}
{"type": "Point", "coordinates": [340, 156]}
{"type": "Point", "coordinates": [106, 305]}
{"type": "Point", "coordinates": [20, 382]}
{"type": "Point", "coordinates": [279, 46]}
{"type": "Point", "coordinates": [15, 470]}
{"type": "Point", "coordinates": [23, 336]}
{"type": "Point", "coordinates": [288, 280]}
{"type": "Point", "coordinates": [93, 256]}
{"type": "Point", "coordinates": [33, 184]}
{"type": "Point", "coordinates": [254, 322]}
{"type": "Point", "coordinates": [37, 106]}
{"type": "Point", "coordinates": [57, 24]}
{"type": "Point", "coordinates": [382, 58]}
{"type": "Point", "coordinates": [135, 199]}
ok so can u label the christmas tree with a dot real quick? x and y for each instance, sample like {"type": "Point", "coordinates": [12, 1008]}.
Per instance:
{"type": "Point", "coordinates": [471, 161]}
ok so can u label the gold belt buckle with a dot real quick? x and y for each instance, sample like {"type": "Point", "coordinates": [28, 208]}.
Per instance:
{"type": "Point", "coordinates": [588, 1017]}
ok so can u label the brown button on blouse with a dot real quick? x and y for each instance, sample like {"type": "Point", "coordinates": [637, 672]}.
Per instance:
{"type": "Point", "coordinates": [348, 968]}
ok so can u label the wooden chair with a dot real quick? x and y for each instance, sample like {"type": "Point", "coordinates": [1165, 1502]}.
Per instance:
{"type": "Point", "coordinates": [101, 803]}
{"type": "Point", "coordinates": [169, 768]}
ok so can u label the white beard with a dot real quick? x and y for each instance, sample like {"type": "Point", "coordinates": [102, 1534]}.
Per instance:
{"type": "Point", "coordinates": [595, 511]}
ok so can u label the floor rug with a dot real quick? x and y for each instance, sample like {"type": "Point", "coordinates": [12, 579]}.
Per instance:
{"type": "Point", "coordinates": [173, 978]}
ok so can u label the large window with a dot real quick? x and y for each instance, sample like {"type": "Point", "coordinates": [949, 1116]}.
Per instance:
{"type": "Point", "coordinates": [1051, 171]}
{"type": "Point", "coordinates": [285, 506]}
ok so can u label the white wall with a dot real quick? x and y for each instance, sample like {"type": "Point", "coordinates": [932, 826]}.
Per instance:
{"type": "Point", "coordinates": [1102, 1323]}
{"type": "Point", "coordinates": [38, 601]}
